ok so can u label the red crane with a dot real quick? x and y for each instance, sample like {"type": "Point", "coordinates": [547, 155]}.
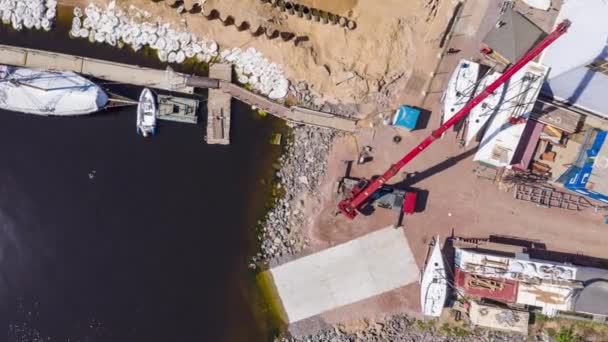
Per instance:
{"type": "Point", "coordinates": [358, 196]}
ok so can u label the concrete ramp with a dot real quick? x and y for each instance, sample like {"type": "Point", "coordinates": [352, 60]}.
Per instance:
{"type": "Point", "coordinates": [370, 265]}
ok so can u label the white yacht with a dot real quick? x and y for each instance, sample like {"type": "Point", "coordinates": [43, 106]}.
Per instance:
{"type": "Point", "coordinates": [434, 285]}
{"type": "Point", "coordinates": [49, 92]}
{"type": "Point", "coordinates": [460, 88]}
{"type": "Point", "coordinates": [146, 113]}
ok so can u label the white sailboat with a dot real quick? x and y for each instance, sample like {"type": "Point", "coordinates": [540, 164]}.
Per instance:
{"type": "Point", "coordinates": [146, 113]}
{"type": "Point", "coordinates": [46, 92]}
{"type": "Point", "coordinates": [434, 285]}
{"type": "Point", "coordinates": [460, 88]}
{"type": "Point", "coordinates": [483, 112]}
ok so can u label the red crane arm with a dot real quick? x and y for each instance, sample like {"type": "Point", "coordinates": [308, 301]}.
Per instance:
{"type": "Point", "coordinates": [349, 206]}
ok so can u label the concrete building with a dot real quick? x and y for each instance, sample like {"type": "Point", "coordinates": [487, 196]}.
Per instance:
{"type": "Point", "coordinates": [579, 59]}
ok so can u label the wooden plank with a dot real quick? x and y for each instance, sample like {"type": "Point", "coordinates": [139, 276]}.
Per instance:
{"type": "Point", "coordinates": [555, 116]}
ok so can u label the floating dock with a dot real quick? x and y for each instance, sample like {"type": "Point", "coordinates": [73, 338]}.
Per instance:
{"type": "Point", "coordinates": [218, 107]}
{"type": "Point", "coordinates": [105, 70]}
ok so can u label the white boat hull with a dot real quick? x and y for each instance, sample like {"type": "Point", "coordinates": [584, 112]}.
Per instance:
{"type": "Point", "coordinates": [41, 92]}
{"type": "Point", "coordinates": [460, 89]}
{"type": "Point", "coordinates": [146, 113]}
{"type": "Point", "coordinates": [434, 286]}
{"type": "Point", "coordinates": [481, 114]}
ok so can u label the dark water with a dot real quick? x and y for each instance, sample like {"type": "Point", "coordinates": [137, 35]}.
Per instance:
{"type": "Point", "coordinates": [153, 248]}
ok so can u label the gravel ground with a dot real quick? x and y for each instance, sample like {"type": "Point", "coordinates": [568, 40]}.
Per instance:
{"type": "Point", "coordinates": [403, 328]}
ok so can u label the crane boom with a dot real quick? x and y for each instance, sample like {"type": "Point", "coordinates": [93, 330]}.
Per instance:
{"type": "Point", "coordinates": [350, 205]}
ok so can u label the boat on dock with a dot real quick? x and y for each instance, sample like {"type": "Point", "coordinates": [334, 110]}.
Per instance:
{"type": "Point", "coordinates": [49, 92]}
{"type": "Point", "coordinates": [434, 285]}
{"type": "Point", "coordinates": [146, 113]}
{"type": "Point", "coordinates": [460, 88]}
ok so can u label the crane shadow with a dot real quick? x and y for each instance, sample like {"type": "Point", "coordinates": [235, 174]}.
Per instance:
{"type": "Point", "coordinates": [416, 177]}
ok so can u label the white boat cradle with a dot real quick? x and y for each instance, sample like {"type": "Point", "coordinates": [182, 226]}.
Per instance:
{"type": "Point", "coordinates": [41, 92]}
{"type": "Point", "coordinates": [482, 113]}
{"type": "Point", "coordinates": [146, 113]}
{"type": "Point", "coordinates": [460, 88]}
{"type": "Point", "coordinates": [114, 27]}
{"type": "Point", "coordinates": [38, 14]}
{"type": "Point", "coordinates": [434, 285]}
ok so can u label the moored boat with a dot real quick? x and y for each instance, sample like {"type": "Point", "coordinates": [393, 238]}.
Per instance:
{"type": "Point", "coordinates": [49, 92]}
{"type": "Point", "coordinates": [460, 88]}
{"type": "Point", "coordinates": [146, 113]}
{"type": "Point", "coordinates": [434, 285]}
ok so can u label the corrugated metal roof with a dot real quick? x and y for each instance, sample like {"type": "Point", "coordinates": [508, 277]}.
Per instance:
{"type": "Point", "coordinates": [514, 37]}
{"type": "Point", "coordinates": [593, 299]}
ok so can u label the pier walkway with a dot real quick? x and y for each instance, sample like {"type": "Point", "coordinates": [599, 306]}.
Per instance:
{"type": "Point", "coordinates": [292, 114]}
{"type": "Point", "coordinates": [176, 82]}
{"type": "Point", "coordinates": [218, 107]}
{"type": "Point", "coordinates": [105, 70]}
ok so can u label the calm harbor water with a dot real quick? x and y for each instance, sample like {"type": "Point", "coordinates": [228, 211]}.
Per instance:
{"type": "Point", "coordinates": [108, 236]}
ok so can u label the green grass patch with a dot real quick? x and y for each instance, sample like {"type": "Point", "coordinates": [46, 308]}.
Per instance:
{"type": "Point", "coordinates": [567, 335]}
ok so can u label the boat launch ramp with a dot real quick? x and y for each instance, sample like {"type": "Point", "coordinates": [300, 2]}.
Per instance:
{"type": "Point", "coordinates": [347, 273]}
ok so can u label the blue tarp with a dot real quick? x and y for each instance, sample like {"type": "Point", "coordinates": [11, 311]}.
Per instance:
{"type": "Point", "coordinates": [578, 177]}
{"type": "Point", "coordinates": [407, 117]}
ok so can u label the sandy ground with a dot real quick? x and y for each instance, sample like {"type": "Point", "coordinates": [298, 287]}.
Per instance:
{"type": "Point", "coordinates": [368, 65]}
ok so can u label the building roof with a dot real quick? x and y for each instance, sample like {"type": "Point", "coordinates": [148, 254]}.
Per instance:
{"type": "Point", "coordinates": [586, 41]}
{"type": "Point", "coordinates": [514, 37]}
{"type": "Point", "coordinates": [593, 299]}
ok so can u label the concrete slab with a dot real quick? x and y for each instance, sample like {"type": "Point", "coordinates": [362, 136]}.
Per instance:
{"type": "Point", "coordinates": [367, 266]}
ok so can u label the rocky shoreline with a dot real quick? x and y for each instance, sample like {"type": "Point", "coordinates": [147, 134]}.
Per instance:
{"type": "Point", "coordinates": [404, 328]}
{"type": "Point", "coordinates": [302, 166]}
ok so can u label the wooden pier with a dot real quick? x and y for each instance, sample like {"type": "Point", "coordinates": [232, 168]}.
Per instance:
{"type": "Point", "coordinates": [218, 107]}
{"type": "Point", "coordinates": [221, 89]}
{"type": "Point", "coordinates": [110, 71]}
{"type": "Point", "coordinates": [294, 114]}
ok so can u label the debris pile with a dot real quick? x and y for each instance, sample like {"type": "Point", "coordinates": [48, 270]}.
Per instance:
{"type": "Point", "coordinates": [302, 167]}
{"type": "Point", "coordinates": [403, 328]}
{"type": "Point", "coordinates": [28, 13]}
{"type": "Point", "coordinates": [115, 27]}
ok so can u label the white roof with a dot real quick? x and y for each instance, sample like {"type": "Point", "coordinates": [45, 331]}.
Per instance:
{"type": "Point", "coordinates": [367, 266]}
{"type": "Point", "coordinates": [501, 137]}
{"type": "Point", "coordinates": [48, 92]}
{"type": "Point", "coordinates": [585, 39]}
